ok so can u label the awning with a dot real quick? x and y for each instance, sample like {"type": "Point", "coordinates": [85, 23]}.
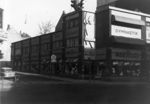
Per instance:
{"type": "Point", "coordinates": [128, 20]}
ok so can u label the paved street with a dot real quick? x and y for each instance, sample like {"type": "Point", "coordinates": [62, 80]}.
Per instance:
{"type": "Point", "coordinates": [41, 90]}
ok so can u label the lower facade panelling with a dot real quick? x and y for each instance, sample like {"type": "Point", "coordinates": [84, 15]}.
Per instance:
{"type": "Point", "coordinates": [25, 66]}
{"type": "Point", "coordinates": [34, 66]}
{"type": "Point", "coordinates": [120, 63]}
{"type": "Point", "coordinates": [17, 64]}
{"type": "Point", "coordinates": [45, 64]}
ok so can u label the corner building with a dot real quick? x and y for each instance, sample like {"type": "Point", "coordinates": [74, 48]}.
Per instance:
{"type": "Point", "coordinates": [121, 36]}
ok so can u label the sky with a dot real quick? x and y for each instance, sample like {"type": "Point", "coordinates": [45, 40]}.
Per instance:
{"type": "Point", "coordinates": [26, 15]}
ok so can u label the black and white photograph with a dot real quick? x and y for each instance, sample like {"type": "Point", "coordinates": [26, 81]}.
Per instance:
{"type": "Point", "coordinates": [74, 51]}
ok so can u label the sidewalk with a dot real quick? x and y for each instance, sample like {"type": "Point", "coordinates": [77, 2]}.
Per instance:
{"type": "Point", "coordinates": [85, 81]}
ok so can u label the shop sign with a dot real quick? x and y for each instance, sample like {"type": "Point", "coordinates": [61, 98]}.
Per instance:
{"type": "Point", "coordinates": [125, 32]}
{"type": "Point", "coordinates": [122, 54]}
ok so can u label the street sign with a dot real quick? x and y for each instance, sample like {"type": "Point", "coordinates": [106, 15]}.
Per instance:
{"type": "Point", "coordinates": [53, 58]}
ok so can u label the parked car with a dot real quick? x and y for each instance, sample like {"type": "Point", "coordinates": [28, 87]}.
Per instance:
{"type": "Point", "coordinates": [7, 73]}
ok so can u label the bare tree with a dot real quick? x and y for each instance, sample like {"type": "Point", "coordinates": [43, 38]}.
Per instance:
{"type": "Point", "coordinates": [45, 27]}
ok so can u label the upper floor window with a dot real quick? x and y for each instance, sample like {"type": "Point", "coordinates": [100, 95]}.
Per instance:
{"type": "Point", "coordinates": [72, 23]}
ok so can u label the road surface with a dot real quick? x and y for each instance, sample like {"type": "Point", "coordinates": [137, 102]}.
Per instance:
{"type": "Point", "coordinates": [38, 90]}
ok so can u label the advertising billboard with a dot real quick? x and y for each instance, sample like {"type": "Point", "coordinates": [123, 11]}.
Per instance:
{"type": "Point", "coordinates": [125, 32]}
{"type": "Point", "coordinates": [89, 29]}
{"type": "Point", "coordinates": [148, 34]}
{"type": "Point", "coordinates": [147, 30]}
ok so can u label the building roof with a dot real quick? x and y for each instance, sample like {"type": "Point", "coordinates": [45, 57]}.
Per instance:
{"type": "Point", "coordinates": [59, 24]}
{"type": "Point", "coordinates": [137, 5]}
{"type": "Point", "coordinates": [134, 5]}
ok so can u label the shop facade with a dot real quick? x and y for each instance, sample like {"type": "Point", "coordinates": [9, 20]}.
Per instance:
{"type": "Point", "coordinates": [120, 43]}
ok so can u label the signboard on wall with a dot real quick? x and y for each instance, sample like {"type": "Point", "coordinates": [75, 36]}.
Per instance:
{"type": "Point", "coordinates": [125, 32]}
{"type": "Point", "coordinates": [125, 54]}
{"type": "Point", "coordinates": [53, 58]}
{"type": "Point", "coordinates": [148, 34]}
{"type": "Point", "coordinates": [88, 29]}
{"type": "Point", "coordinates": [89, 44]}
{"type": "Point", "coordinates": [147, 29]}
{"type": "Point", "coordinates": [89, 26]}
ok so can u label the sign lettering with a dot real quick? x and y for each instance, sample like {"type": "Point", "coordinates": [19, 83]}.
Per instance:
{"type": "Point", "coordinates": [122, 54]}
{"type": "Point", "coordinates": [125, 32]}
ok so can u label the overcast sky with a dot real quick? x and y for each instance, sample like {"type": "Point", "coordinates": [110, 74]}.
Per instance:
{"type": "Point", "coordinates": [16, 12]}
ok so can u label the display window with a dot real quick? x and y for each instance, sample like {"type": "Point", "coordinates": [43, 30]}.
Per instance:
{"type": "Point", "coordinates": [126, 69]}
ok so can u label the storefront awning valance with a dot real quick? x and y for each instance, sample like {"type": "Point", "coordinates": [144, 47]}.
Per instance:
{"type": "Point", "coordinates": [128, 20]}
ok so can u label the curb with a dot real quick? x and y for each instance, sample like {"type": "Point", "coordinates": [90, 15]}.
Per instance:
{"type": "Point", "coordinates": [84, 81]}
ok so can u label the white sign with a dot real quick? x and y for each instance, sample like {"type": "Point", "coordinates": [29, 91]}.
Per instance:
{"type": "Point", "coordinates": [89, 26]}
{"type": "Point", "coordinates": [53, 58]}
{"type": "Point", "coordinates": [89, 29]}
{"type": "Point", "coordinates": [148, 34]}
{"type": "Point", "coordinates": [147, 19]}
{"type": "Point", "coordinates": [89, 44]}
{"type": "Point", "coordinates": [125, 32]}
